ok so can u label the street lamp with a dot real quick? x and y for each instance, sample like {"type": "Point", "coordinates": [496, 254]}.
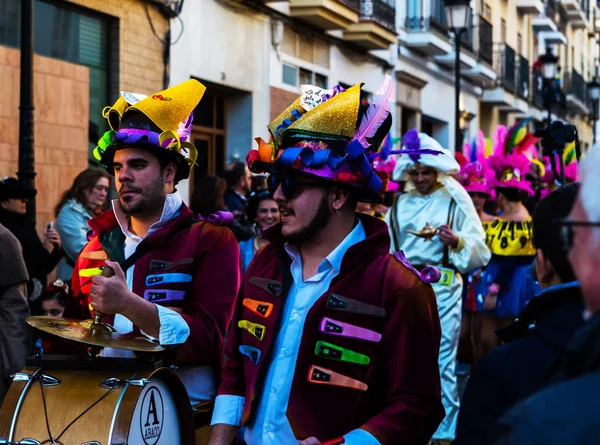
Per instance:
{"type": "Point", "coordinates": [458, 14]}
{"type": "Point", "coordinates": [549, 71]}
{"type": "Point", "coordinates": [594, 92]}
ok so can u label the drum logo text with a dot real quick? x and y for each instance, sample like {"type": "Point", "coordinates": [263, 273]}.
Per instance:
{"type": "Point", "coordinates": [152, 416]}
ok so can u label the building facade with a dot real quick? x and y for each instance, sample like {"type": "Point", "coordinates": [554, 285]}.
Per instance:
{"type": "Point", "coordinates": [86, 52]}
{"type": "Point", "coordinates": [261, 51]}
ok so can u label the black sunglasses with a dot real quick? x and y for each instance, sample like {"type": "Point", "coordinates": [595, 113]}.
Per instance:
{"type": "Point", "coordinates": [566, 230]}
{"type": "Point", "coordinates": [290, 185]}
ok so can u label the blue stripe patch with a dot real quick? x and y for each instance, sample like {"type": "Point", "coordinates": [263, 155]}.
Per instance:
{"type": "Point", "coordinates": [155, 280]}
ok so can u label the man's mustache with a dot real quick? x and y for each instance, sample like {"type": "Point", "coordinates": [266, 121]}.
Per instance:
{"type": "Point", "coordinates": [129, 188]}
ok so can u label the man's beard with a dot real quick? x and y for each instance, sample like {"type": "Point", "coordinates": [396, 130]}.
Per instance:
{"type": "Point", "coordinates": [148, 197]}
{"type": "Point", "coordinates": [320, 220]}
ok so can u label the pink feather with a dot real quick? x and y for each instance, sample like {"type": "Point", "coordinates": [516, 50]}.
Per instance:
{"type": "Point", "coordinates": [377, 112]}
{"type": "Point", "coordinates": [480, 146]}
{"type": "Point", "coordinates": [499, 139]}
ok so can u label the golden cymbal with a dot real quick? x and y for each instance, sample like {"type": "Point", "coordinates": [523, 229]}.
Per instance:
{"type": "Point", "coordinates": [86, 332]}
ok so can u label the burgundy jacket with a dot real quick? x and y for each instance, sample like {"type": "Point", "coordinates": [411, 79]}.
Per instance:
{"type": "Point", "coordinates": [208, 253]}
{"type": "Point", "coordinates": [402, 403]}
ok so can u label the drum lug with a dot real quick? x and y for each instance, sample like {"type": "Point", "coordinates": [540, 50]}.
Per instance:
{"type": "Point", "coordinates": [48, 380]}
{"type": "Point", "coordinates": [93, 442]}
{"type": "Point", "coordinates": [138, 382]}
{"type": "Point", "coordinates": [109, 383]}
{"type": "Point", "coordinates": [19, 377]}
{"type": "Point", "coordinates": [25, 441]}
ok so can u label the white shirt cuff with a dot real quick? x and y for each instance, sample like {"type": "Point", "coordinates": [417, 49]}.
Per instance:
{"type": "Point", "coordinates": [228, 410]}
{"type": "Point", "coordinates": [173, 328]}
{"type": "Point", "coordinates": [360, 437]}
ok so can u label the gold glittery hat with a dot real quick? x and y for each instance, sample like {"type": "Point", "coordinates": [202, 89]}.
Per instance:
{"type": "Point", "coordinates": [161, 122]}
{"type": "Point", "coordinates": [328, 134]}
{"type": "Point", "coordinates": [166, 109]}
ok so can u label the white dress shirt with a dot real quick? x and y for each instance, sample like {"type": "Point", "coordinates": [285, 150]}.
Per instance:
{"type": "Point", "coordinates": [199, 380]}
{"type": "Point", "coordinates": [270, 425]}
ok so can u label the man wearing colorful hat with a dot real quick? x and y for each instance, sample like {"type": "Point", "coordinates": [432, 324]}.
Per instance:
{"type": "Point", "coordinates": [333, 339]}
{"type": "Point", "coordinates": [434, 222]}
{"type": "Point", "coordinates": [175, 278]}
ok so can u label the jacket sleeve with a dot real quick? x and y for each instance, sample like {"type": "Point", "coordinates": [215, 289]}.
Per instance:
{"type": "Point", "coordinates": [73, 232]}
{"type": "Point", "coordinates": [14, 308]}
{"type": "Point", "coordinates": [471, 252]}
{"type": "Point", "coordinates": [233, 382]}
{"type": "Point", "coordinates": [215, 283]}
{"type": "Point", "coordinates": [483, 402]}
{"type": "Point", "coordinates": [411, 341]}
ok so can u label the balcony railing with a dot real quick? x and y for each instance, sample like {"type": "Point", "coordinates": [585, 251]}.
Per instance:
{"type": "Point", "coordinates": [417, 20]}
{"type": "Point", "coordinates": [562, 20]}
{"type": "Point", "coordinates": [504, 66]}
{"type": "Point", "coordinates": [382, 12]}
{"type": "Point", "coordinates": [486, 46]}
{"type": "Point", "coordinates": [468, 37]}
{"type": "Point", "coordinates": [537, 89]}
{"type": "Point", "coordinates": [550, 8]}
{"type": "Point", "coordinates": [523, 87]}
{"type": "Point", "coordinates": [575, 85]}
{"type": "Point", "coordinates": [354, 4]}
{"type": "Point", "coordinates": [438, 16]}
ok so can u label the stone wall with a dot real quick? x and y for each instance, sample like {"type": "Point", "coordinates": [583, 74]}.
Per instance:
{"type": "Point", "coordinates": [61, 99]}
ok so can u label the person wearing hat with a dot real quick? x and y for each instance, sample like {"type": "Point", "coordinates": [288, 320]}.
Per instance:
{"type": "Point", "coordinates": [175, 278]}
{"type": "Point", "coordinates": [333, 338]}
{"type": "Point", "coordinates": [434, 222]}
{"type": "Point", "coordinates": [506, 283]}
{"type": "Point", "coordinates": [41, 255]}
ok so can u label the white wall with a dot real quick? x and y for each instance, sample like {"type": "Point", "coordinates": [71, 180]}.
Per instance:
{"type": "Point", "coordinates": [230, 48]}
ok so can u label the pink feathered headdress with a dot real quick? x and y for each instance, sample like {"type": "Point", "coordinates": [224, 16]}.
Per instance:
{"type": "Point", "coordinates": [475, 175]}
{"type": "Point", "coordinates": [510, 161]}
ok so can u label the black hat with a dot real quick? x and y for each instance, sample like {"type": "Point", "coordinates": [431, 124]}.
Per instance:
{"type": "Point", "coordinates": [11, 188]}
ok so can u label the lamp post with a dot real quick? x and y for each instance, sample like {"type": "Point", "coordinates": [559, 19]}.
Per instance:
{"type": "Point", "coordinates": [594, 92]}
{"type": "Point", "coordinates": [549, 70]}
{"type": "Point", "coordinates": [26, 171]}
{"type": "Point", "coordinates": [458, 14]}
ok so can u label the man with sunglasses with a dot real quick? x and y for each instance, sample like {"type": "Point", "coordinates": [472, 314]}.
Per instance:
{"type": "Point", "coordinates": [333, 339]}
{"type": "Point", "coordinates": [566, 412]}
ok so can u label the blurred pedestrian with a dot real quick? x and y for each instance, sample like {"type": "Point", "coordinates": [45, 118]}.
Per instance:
{"type": "Point", "coordinates": [566, 412]}
{"type": "Point", "coordinates": [239, 182]}
{"type": "Point", "coordinates": [41, 255]}
{"type": "Point", "coordinates": [85, 199]}
{"type": "Point", "coordinates": [14, 331]}
{"type": "Point", "coordinates": [533, 342]}
{"type": "Point", "coordinates": [263, 212]}
{"type": "Point", "coordinates": [209, 197]}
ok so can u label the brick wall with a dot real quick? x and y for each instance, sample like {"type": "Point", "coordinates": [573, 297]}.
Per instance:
{"type": "Point", "coordinates": [140, 52]}
{"type": "Point", "coordinates": [61, 98]}
{"type": "Point", "coordinates": [280, 100]}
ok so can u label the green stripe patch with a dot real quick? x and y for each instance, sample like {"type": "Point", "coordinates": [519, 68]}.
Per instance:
{"type": "Point", "coordinates": [337, 353]}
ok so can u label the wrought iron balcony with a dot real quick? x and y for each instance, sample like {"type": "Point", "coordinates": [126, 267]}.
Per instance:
{"type": "Point", "coordinates": [562, 20]}
{"type": "Point", "coordinates": [505, 67]}
{"type": "Point", "coordinates": [383, 12]}
{"type": "Point", "coordinates": [354, 4]}
{"type": "Point", "coordinates": [537, 89]}
{"type": "Point", "coordinates": [523, 81]}
{"type": "Point", "coordinates": [575, 86]}
{"type": "Point", "coordinates": [486, 46]}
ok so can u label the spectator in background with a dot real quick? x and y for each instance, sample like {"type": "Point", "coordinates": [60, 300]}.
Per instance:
{"type": "Point", "coordinates": [54, 299]}
{"type": "Point", "coordinates": [14, 332]}
{"type": "Point", "coordinates": [566, 413]}
{"type": "Point", "coordinates": [209, 197]}
{"type": "Point", "coordinates": [239, 182]}
{"type": "Point", "coordinates": [85, 199]}
{"type": "Point", "coordinates": [263, 212]}
{"type": "Point", "coordinates": [259, 183]}
{"type": "Point", "coordinates": [533, 343]}
{"type": "Point", "coordinates": [41, 256]}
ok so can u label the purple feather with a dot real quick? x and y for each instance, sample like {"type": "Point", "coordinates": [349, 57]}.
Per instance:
{"type": "Point", "coordinates": [413, 144]}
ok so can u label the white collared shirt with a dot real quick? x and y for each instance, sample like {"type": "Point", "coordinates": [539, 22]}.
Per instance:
{"type": "Point", "coordinates": [199, 380]}
{"type": "Point", "coordinates": [270, 425]}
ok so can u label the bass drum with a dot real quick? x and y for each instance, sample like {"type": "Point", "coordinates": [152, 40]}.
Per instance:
{"type": "Point", "coordinates": [57, 406]}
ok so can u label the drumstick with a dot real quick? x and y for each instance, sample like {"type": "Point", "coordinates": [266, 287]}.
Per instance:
{"type": "Point", "coordinates": [98, 315]}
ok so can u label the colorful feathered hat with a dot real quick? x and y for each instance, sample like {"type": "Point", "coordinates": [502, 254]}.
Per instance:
{"type": "Point", "coordinates": [475, 175]}
{"type": "Point", "coordinates": [510, 160]}
{"type": "Point", "coordinates": [570, 165]}
{"type": "Point", "coordinates": [331, 134]}
{"type": "Point", "coordinates": [161, 123]}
